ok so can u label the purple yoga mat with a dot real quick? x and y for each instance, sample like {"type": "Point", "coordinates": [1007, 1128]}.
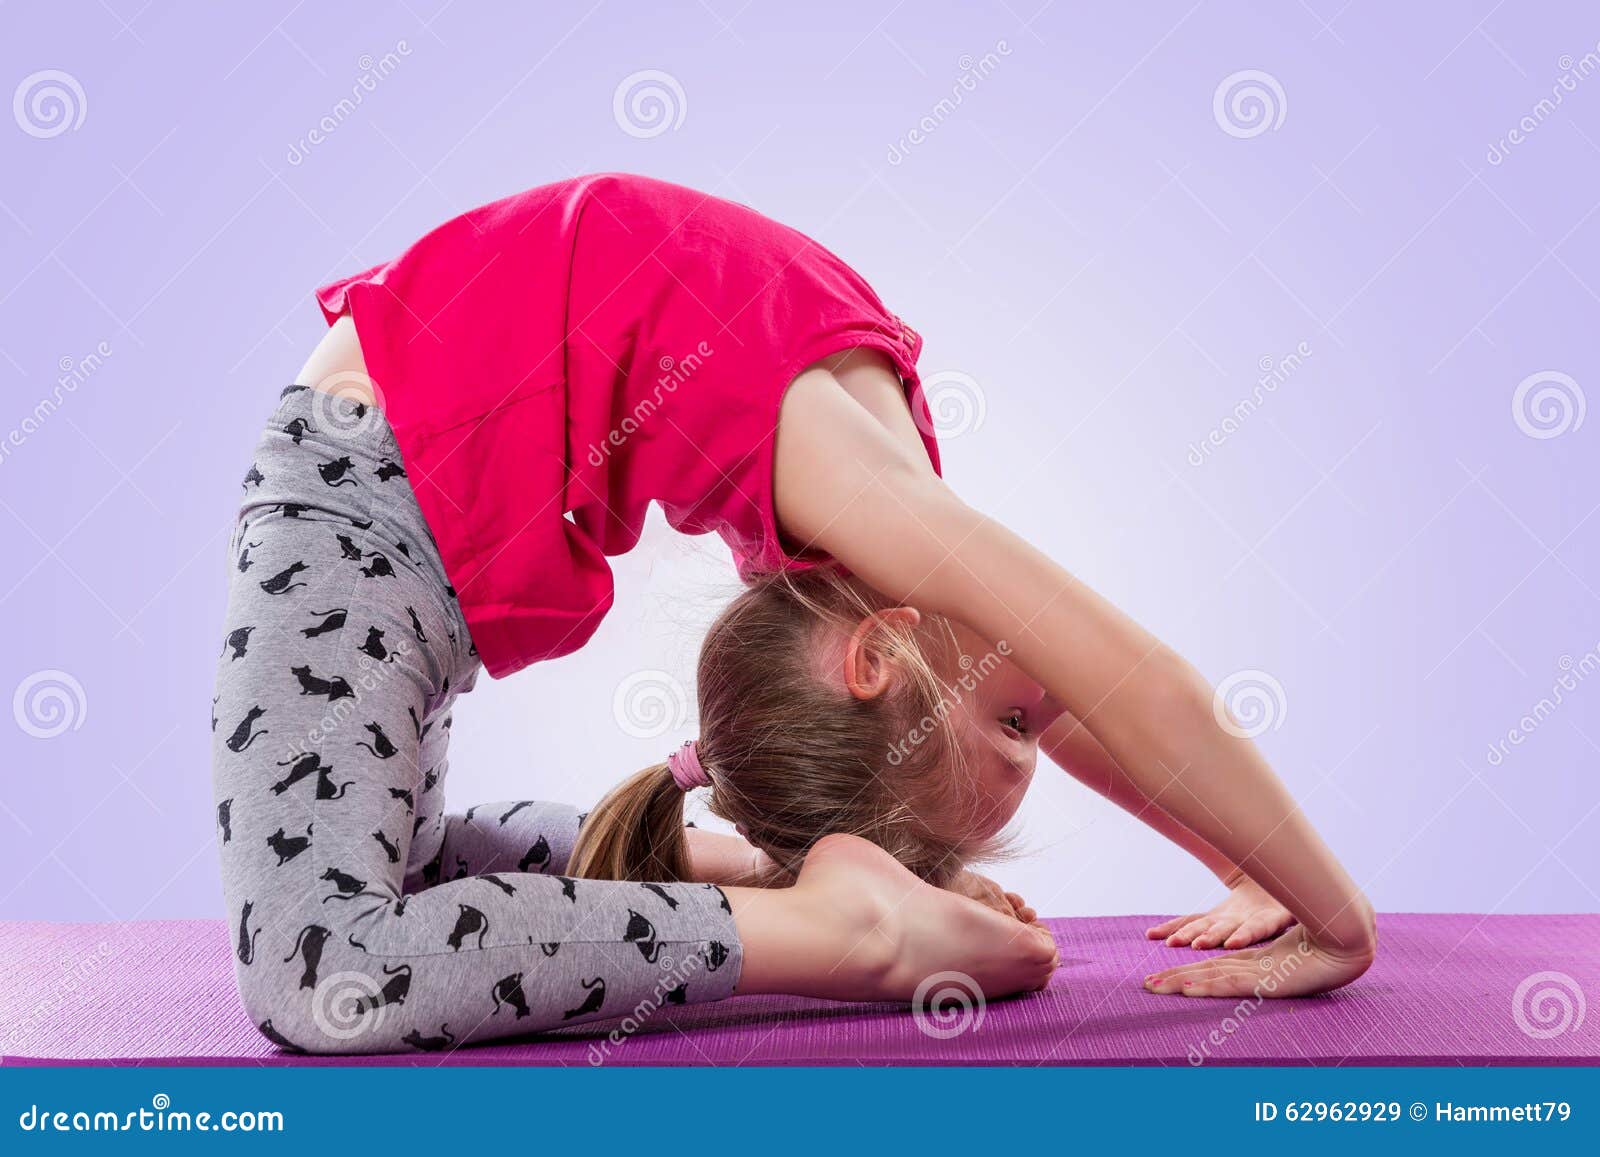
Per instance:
{"type": "Point", "coordinates": [1446, 989]}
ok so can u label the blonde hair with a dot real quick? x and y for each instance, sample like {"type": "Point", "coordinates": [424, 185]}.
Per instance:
{"type": "Point", "coordinates": [793, 756]}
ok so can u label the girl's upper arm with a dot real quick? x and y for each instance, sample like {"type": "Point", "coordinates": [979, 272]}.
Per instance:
{"type": "Point", "coordinates": [845, 484]}
{"type": "Point", "coordinates": [859, 488]}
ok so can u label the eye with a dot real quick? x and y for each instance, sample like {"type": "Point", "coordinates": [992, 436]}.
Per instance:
{"type": "Point", "coordinates": [1015, 721]}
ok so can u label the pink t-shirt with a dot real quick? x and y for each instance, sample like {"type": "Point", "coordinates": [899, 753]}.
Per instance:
{"type": "Point", "coordinates": [554, 362]}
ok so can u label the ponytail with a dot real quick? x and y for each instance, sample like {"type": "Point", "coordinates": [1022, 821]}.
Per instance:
{"type": "Point", "coordinates": [635, 832]}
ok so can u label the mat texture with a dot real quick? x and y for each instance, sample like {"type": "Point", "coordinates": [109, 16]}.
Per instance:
{"type": "Point", "coordinates": [1446, 989]}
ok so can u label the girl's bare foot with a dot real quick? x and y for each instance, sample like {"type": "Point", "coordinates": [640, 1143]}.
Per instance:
{"type": "Point", "coordinates": [857, 925]}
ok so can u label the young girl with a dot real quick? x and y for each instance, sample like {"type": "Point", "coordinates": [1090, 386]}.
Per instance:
{"type": "Point", "coordinates": [487, 419]}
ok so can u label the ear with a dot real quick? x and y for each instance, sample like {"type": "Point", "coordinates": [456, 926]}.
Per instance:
{"type": "Point", "coordinates": [867, 673]}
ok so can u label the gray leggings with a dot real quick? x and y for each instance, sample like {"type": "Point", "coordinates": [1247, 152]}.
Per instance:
{"type": "Point", "coordinates": [367, 917]}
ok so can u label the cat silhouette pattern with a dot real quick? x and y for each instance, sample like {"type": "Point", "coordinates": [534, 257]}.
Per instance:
{"type": "Point", "coordinates": [343, 652]}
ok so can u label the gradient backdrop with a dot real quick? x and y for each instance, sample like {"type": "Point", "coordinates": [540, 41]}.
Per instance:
{"type": "Point", "coordinates": [1389, 553]}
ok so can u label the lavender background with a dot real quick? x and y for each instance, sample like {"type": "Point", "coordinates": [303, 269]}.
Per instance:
{"type": "Point", "coordinates": [1100, 268]}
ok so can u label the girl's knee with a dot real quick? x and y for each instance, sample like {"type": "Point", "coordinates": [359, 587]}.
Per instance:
{"type": "Point", "coordinates": [327, 997]}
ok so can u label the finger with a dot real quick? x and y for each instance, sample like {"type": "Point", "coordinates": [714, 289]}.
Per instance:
{"type": "Point", "coordinates": [1205, 976]}
{"type": "Point", "coordinates": [1250, 931]}
{"type": "Point", "coordinates": [1229, 982]}
{"type": "Point", "coordinates": [1250, 958]}
{"type": "Point", "coordinates": [1167, 927]}
{"type": "Point", "coordinates": [1259, 927]}
{"type": "Point", "coordinates": [1185, 935]}
{"type": "Point", "coordinates": [1176, 980]}
{"type": "Point", "coordinates": [1171, 979]}
{"type": "Point", "coordinates": [1221, 929]}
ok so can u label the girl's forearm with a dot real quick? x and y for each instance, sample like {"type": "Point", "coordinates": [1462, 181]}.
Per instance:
{"type": "Point", "coordinates": [716, 858]}
{"type": "Point", "coordinates": [1073, 748]}
{"type": "Point", "coordinates": [1149, 708]}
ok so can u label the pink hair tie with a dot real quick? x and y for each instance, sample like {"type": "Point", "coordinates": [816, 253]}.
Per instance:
{"type": "Point", "coordinates": [685, 767]}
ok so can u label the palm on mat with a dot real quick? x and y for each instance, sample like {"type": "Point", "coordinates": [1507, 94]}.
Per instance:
{"type": "Point", "coordinates": [1244, 917]}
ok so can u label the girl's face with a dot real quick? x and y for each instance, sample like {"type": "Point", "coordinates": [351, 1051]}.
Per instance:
{"type": "Point", "coordinates": [996, 712]}
{"type": "Point", "coordinates": [1000, 713]}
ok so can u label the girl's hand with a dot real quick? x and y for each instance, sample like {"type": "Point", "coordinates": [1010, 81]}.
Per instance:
{"type": "Point", "coordinates": [1292, 965]}
{"type": "Point", "coordinates": [1247, 915]}
{"type": "Point", "coordinates": [986, 892]}
{"type": "Point", "coordinates": [718, 858]}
